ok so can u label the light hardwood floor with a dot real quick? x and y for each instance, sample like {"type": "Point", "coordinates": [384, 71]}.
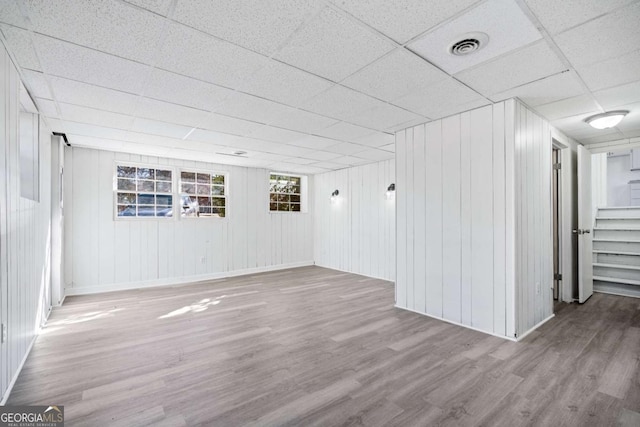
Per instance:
{"type": "Point", "coordinates": [313, 346]}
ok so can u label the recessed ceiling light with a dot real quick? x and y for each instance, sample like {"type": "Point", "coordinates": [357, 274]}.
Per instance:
{"type": "Point", "coordinates": [606, 120]}
{"type": "Point", "coordinates": [468, 43]}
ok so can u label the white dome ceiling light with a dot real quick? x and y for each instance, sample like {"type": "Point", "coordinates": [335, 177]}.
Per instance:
{"type": "Point", "coordinates": [606, 120]}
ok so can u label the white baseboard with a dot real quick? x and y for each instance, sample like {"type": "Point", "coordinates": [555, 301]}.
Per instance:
{"type": "Point", "coordinates": [521, 337]}
{"type": "Point", "coordinates": [173, 281]}
{"type": "Point", "coordinates": [354, 272]}
{"type": "Point", "coordinates": [458, 324]}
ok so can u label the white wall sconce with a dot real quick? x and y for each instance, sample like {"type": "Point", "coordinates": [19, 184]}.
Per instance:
{"type": "Point", "coordinates": [334, 196]}
{"type": "Point", "coordinates": [606, 120]}
{"type": "Point", "coordinates": [391, 191]}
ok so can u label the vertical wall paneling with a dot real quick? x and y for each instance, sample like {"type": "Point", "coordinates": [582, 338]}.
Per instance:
{"type": "Point", "coordinates": [509, 200]}
{"type": "Point", "coordinates": [356, 233]}
{"type": "Point", "coordinates": [402, 194]}
{"type": "Point", "coordinates": [420, 183]}
{"type": "Point", "coordinates": [433, 217]}
{"type": "Point", "coordinates": [25, 234]}
{"type": "Point", "coordinates": [465, 219]}
{"type": "Point", "coordinates": [451, 225]}
{"type": "Point", "coordinates": [109, 254]}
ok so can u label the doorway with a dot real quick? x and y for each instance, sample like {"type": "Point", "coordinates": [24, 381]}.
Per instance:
{"type": "Point", "coordinates": [555, 220]}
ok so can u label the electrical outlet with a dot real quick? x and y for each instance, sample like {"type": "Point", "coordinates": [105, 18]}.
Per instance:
{"type": "Point", "coordinates": [4, 333]}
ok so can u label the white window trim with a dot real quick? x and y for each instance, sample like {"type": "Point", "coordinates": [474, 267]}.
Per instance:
{"type": "Point", "coordinates": [147, 166]}
{"type": "Point", "coordinates": [304, 191]}
{"type": "Point", "coordinates": [226, 194]}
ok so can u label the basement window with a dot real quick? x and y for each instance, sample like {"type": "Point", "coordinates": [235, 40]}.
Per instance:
{"type": "Point", "coordinates": [286, 193]}
{"type": "Point", "coordinates": [143, 192]}
{"type": "Point", "coordinates": [202, 195]}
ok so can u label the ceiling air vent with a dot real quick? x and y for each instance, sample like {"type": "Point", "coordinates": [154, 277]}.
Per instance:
{"type": "Point", "coordinates": [468, 44]}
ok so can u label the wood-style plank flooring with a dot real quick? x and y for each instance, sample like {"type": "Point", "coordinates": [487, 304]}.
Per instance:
{"type": "Point", "coordinates": [313, 346]}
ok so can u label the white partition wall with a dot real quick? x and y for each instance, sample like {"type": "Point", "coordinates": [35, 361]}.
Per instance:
{"type": "Point", "coordinates": [24, 233]}
{"type": "Point", "coordinates": [103, 253]}
{"type": "Point", "coordinates": [356, 231]}
{"type": "Point", "coordinates": [473, 219]}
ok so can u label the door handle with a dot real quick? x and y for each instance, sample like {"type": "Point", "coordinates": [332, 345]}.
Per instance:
{"type": "Point", "coordinates": [586, 231]}
{"type": "Point", "coordinates": [577, 231]}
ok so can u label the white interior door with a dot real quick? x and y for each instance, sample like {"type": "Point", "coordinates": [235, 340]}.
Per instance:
{"type": "Point", "coordinates": [585, 222]}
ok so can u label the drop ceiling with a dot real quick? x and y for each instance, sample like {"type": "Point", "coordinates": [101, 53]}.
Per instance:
{"type": "Point", "coordinates": [309, 86]}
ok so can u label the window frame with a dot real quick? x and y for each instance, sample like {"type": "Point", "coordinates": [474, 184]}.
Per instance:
{"type": "Point", "coordinates": [209, 172]}
{"type": "Point", "coordinates": [145, 166]}
{"type": "Point", "coordinates": [303, 193]}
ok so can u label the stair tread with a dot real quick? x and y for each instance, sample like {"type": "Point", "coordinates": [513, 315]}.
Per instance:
{"type": "Point", "coordinates": [622, 266]}
{"type": "Point", "coordinates": [615, 240]}
{"type": "Point", "coordinates": [610, 252]}
{"type": "Point", "coordinates": [617, 280]}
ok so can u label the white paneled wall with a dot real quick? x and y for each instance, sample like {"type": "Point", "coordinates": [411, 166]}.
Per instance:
{"type": "Point", "coordinates": [103, 254]}
{"type": "Point", "coordinates": [534, 248]}
{"type": "Point", "coordinates": [24, 235]}
{"type": "Point", "coordinates": [473, 197]}
{"type": "Point", "coordinates": [356, 233]}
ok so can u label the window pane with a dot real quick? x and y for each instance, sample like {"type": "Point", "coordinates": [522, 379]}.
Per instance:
{"type": "Point", "coordinates": [146, 173]}
{"type": "Point", "coordinates": [204, 178]}
{"type": "Point", "coordinates": [219, 211]}
{"type": "Point", "coordinates": [146, 186]}
{"type": "Point", "coordinates": [189, 188]}
{"type": "Point", "coordinates": [295, 207]}
{"type": "Point", "coordinates": [126, 184]}
{"type": "Point", "coordinates": [204, 201]}
{"type": "Point", "coordinates": [126, 172]}
{"type": "Point", "coordinates": [163, 211]}
{"type": "Point", "coordinates": [204, 189]}
{"type": "Point", "coordinates": [218, 201]}
{"type": "Point", "coordinates": [146, 199]}
{"type": "Point", "coordinates": [283, 197]}
{"type": "Point", "coordinates": [126, 210]}
{"type": "Point", "coordinates": [126, 198]}
{"type": "Point", "coordinates": [295, 198]}
{"type": "Point", "coordinates": [163, 187]}
{"type": "Point", "coordinates": [283, 206]}
{"type": "Point", "coordinates": [295, 180]}
{"type": "Point", "coordinates": [295, 189]}
{"type": "Point", "coordinates": [273, 197]}
{"type": "Point", "coordinates": [165, 200]}
{"type": "Point", "coordinates": [188, 177]}
{"type": "Point", "coordinates": [285, 189]}
{"type": "Point", "coordinates": [163, 175]}
{"type": "Point", "coordinates": [217, 179]}
{"type": "Point", "coordinates": [273, 206]}
{"type": "Point", "coordinates": [217, 190]}
{"type": "Point", "coordinates": [146, 210]}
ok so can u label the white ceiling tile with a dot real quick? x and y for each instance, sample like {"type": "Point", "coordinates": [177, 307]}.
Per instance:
{"type": "Point", "coordinates": [411, 123]}
{"type": "Point", "coordinates": [298, 160]}
{"type": "Point", "coordinates": [389, 147]}
{"type": "Point", "coordinates": [160, 7]}
{"type": "Point", "coordinates": [575, 125]}
{"type": "Point", "coordinates": [329, 165]}
{"type": "Point", "coordinates": [619, 95]}
{"type": "Point", "coordinates": [20, 45]}
{"type": "Point", "coordinates": [217, 138]}
{"type": "Point", "coordinates": [567, 107]}
{"type": "Point", "coordinates": [192, 53]}
{"type": "Point", "coordinates": [106, 25]}
{"type": "Point", "coordinates": [433, 100]}
{"type": "Point", "coordinates": [80, 114]}
{"type": "Point", "coordinates": [631, 121]}
{"type": "Point", "coordinates": [376, 140]}
{"type": "Point", "coordinates": [160, 128]}
{"type": "Point", "coordinates": [345, 131]}
{"type": "Point", "coordinates": [87, 129]}
{"type": "Point", "coordinates": [231, 125]}
{"type": "Point", "coordinates": [605, 137]}
{"type": "Point", "coordinates": [36, 82]}
{"type": "Point", "coordinates": [550, 89]}
{"type": "Point", "coordinates": [73, 92]}
{"type": "Point", "coordinates": [340, 101]}
{"type": "Point", "coordinates": [557, 16]}
{"type": "Point", "coordinates": [170, 113]}
{"type": "Point", "coordinates": [10, 13]}
{"type": "Point", "coordinates": [375, 154]}
{"type": "Point", "coordinates": [394, 75]}
{"type": "Point", "coordinates": [350, 161]}
{"type": "Point", "coordinates": [90, 66]}
{"type": "Point", "coordinates": [284, 83]}
{"type": "Point", "coordinates": [252, 108]}
{"type": "Point", "coordinates": [402, 20]}
{"type": "Point", "coordinates": [609, 36]}
{"type": "Point", "coordinates": [382, 117]}
{"type": "Point", "coordinates": [333, 46]}
{"type": "Point", "coordinates": [259, 25]}
{"type": "Point", "coordinates": [178, 89]}
{"type": "Point", "coordinates": [314, 142]}
{"type": "Point", "coordinates": [274, 134]}
{"type": "Point", "coordinates": [251, 144]}
{"type": "Point", "coordinates": [523, 66]}
{"type": "Point", "coordinates": [303, 121]}
{"type": "Point", "coordinates": [507, 27]}
{"type": "Point", "coordinates": [345, 148]}
{"type": "Point", "coordinates": [47, 107]}
{"type": "Point", "coordinates": [614, 72]}
{"type": "Point", "coordinates": [295, 168]}
{"type": "Point", "coordinates": [319, 155]}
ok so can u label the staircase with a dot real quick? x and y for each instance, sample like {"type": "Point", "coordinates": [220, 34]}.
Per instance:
{"type": "Point", "coordinates": [616, 251]}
